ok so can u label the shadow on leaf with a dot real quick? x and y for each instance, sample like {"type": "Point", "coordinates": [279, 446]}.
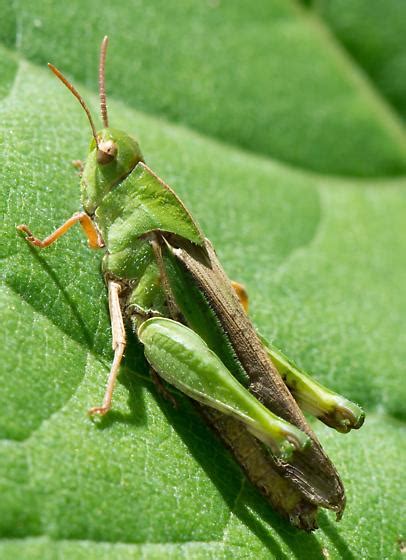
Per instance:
{"type": "Point", "coordinates": [240, 496]}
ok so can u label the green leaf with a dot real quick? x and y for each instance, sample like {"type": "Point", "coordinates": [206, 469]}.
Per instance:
{"type": "Point", "coordinates": [267, 75]}
{"type": "Point", "coordinates": [322, 258]}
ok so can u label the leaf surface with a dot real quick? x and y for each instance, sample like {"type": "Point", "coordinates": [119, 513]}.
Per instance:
{"type": "Point", "coordinates": [322, 257]}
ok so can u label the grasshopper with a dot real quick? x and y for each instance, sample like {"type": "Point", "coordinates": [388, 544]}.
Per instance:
{"type": "Point", "coordinates": [166, 284]}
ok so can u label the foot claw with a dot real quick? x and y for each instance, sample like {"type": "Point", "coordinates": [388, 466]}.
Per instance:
{"type": "Point", "coordinates": [29, 236]}
{"type": "Point", "coordinates": [79, 165]}
{"type": "Point", "coordinates": [98, 410]}
{"type": "Point", "coordinates": [24, 229]}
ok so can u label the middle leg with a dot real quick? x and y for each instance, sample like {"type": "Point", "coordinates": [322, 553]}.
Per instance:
{"type": "Point", "coordinates": [118, 343]}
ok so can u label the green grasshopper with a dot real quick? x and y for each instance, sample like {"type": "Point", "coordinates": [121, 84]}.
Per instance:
{"type": "Point", "coordinates": [165, 282]}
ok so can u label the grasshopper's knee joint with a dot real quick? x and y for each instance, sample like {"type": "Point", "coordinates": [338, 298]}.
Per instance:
{"type": "Point", "coordinates": [137, 310]}
{"type": "Point", "coordinates": [119, 347]}
{"type": "Point", "coordinates": [241, 294]}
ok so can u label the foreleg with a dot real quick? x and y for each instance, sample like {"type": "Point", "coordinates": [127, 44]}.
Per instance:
{"type": "Point", "coordinates": [93, 237]}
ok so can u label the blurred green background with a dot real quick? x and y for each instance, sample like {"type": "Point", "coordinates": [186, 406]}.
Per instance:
{"type": "Point", "coordinates": [281, 125]}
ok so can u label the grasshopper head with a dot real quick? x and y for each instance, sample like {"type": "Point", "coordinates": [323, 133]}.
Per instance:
{"type": "Point", "coordinates": [113, 154]}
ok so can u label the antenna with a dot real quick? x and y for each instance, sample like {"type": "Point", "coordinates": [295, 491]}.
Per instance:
{"type": "Point", "coordinates": [71, 88]}
{"type": "Point", "coordinates": [102, 89]}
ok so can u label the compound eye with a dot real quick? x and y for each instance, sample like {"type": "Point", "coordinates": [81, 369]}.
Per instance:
{"type": "Point", "coordinates": [106, 152]}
